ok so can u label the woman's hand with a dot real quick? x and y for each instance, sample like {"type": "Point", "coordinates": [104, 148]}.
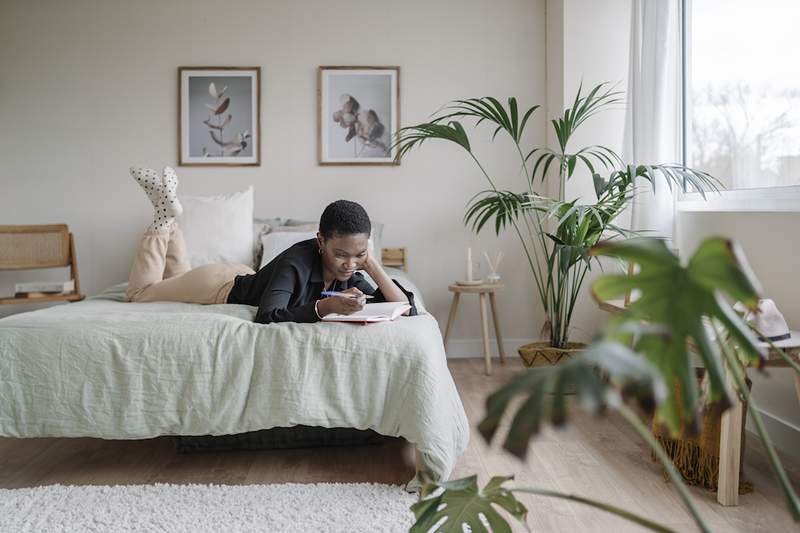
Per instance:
{"type": "Point", "coordinates": [351, 301]}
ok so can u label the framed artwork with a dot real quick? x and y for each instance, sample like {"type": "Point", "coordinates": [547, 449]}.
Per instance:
{"type": "Point", "coordinates": [359, 111]}
{"type": "Point", "coordinates": [219, 116]}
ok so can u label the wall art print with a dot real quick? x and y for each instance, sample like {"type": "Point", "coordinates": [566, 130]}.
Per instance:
{"type": "Point", "coordinates": [359, 112]}
{"type": "Point", "coordinates": [219, 116]}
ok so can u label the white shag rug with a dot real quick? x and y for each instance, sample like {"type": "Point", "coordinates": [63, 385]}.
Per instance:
{"type": "Point", "coordinates": [324, 507]}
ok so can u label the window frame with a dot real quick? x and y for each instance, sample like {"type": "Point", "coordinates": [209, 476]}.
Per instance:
{"type": "Point", "coordinates": [784, 198]}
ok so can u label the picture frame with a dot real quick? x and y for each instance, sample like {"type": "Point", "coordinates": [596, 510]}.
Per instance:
{"type": "Point", "coordinates": [219, 116]}
{"type": "Point", "coordinates": [358, 114]}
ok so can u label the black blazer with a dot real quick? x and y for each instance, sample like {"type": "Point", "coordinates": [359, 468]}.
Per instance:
{"type": "Point", "coordinates": [287, 287]}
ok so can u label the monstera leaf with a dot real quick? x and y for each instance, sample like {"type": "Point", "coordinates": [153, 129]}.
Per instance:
{"type": "Point", "coordinates": [460, 506]}
{"type": "Point", "coordinates": [459, 503]}
{"type": "Point", "coordinates": [684, 300]}
{"type": "Point", "coordinates": [605, 373]}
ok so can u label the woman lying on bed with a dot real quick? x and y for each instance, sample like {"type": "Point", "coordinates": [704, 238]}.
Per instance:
{"type": "Point", "coordinates": [287, 289]}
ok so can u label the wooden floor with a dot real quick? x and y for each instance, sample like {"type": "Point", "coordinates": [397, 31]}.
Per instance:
{"type": "Point", "coordinates": [599, 458]}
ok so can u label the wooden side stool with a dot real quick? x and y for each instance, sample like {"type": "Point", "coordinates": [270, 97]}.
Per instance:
{"type": "Point", "coordinates": [484, 291]}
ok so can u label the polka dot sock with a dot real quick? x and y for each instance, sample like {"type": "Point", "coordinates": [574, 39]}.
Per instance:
{"type": "Point", "coordinates": [162, 192]}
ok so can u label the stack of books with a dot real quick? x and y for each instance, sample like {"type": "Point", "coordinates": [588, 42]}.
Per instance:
{"type": "Point", "coordinates": [34, 289]}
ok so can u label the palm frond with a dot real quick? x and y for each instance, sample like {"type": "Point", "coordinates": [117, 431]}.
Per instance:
{"type": "Point", "coordinates": [411, 136]}
{"type": "Point", "coordinates": [504, 206]}
{"type": "Point", "coordinates": [686, 179]}
{"type": "Point", "coordinates": [489, 109]}
{"type": "Point", "coordinates": [601, 97]}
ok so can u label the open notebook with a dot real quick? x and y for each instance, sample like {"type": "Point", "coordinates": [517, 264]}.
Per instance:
{"type": "Point", "coordinates": [380, 312]}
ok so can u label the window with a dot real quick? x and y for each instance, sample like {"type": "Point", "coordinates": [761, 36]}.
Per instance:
{"type": "Point", "coordinates": [742, 91]}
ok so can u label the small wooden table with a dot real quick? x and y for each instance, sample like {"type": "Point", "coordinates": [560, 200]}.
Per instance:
{"type": "Point", "coordinates": [730, 435]}
{"type": "Point", "coordinates": [484, 290]}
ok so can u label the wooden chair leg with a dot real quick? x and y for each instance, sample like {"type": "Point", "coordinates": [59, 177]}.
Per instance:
{"type": "Point", "coordinates": [485, 333]}
{"type": "Point", "coordinates": [730, 447]}
{"type": "Point", "coordinates": [496, 320]}
{"type": "Point", "coordinates": [451, 318]}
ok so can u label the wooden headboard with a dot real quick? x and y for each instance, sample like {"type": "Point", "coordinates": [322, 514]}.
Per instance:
{"type": "Point", "coordinates": [394, 257]}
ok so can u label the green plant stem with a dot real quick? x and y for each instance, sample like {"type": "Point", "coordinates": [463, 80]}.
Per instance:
{"type": "Point", "coordinates": [575, 291]}
{"type": "Point", "coordinates": [529, 178]}
{"type": "Point", "coordinates": [491, 182]}
{"type": "Point", "coordinates": [622, 513]}
{"type": "Point", "coordinates": [562, 298]}
{"type": "Point", "coordinates": [737, 371]}
{"type": "Point", "coordinates": [540, 234]}
{"type": "Point", "coordinates": [516, 228]}
{"type": "Point", "coordinates": [562, 327]}
{"type": "Point", "coordinates": [645, 433]}
{"type": "Point", "coordinates": [525, 167]}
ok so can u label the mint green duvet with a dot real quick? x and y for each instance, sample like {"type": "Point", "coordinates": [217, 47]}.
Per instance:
{"type": "Point", "coordinates": [119, 370]}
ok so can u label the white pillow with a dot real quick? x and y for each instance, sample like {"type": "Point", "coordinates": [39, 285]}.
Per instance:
{"type": "Point", "coordinates": [218, 229]}
{"type": "Point", "coordinates": [275, 242]}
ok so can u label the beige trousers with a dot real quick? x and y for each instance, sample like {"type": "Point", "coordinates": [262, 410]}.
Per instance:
{"type": "Point", "coordinates": [161, 272]}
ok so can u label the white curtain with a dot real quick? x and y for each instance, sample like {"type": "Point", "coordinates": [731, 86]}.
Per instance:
{"type": "Point", "coordinates": [653, 122]}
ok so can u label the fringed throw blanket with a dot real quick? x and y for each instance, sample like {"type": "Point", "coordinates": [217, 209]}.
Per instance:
{"type": "Point", "coordinates": [697, 458]}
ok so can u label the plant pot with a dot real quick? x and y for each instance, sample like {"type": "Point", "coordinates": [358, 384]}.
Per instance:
{"type": "Point", "coordinates": [543, 354]}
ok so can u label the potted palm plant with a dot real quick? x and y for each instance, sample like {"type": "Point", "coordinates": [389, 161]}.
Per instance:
{"type": "Point", "coordinates": [555, 233]}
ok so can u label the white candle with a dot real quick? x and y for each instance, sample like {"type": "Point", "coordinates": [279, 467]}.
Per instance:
{"type": "Point", "coordinates": [469, 264]}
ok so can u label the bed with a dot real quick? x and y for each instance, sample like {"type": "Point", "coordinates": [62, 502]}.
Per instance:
{"type": "Point", "coordinates": [112, 369]}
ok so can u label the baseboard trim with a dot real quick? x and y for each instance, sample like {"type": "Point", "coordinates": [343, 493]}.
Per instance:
{"type": "Point", "coordinates": [784, 434]}
{"type": "Point", "coordinates": [463, 348]}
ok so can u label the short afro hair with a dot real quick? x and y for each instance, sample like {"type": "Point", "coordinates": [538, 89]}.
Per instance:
{"type": "Point", "coordinates": [344, 217]}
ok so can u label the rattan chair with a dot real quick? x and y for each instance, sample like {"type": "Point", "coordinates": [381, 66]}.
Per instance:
{"type": "Point", "coordinates": [40, 246]}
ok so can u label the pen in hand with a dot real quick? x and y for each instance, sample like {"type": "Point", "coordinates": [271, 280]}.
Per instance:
{"type": "Point", "coordinates": [344, 295]}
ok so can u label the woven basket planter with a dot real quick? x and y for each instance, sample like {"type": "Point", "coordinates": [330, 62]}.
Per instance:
{"type": "Point", "coordinates": [542, 354]}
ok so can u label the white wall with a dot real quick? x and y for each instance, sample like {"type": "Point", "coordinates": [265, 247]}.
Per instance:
{"type": "Point", "coordinates": [588, 44]}
{"type": "Point", "coordinates": [89, 88]}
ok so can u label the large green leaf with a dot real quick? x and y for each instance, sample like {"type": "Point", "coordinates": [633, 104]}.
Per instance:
{"type": "Point", "coordinates": [457, 506]}
{"type": "Point", "coordinates": [459, 503]}
{"type": "Point", "coordinates": [597, 377]}
{"type": "Point", "coordinates": [683, 299]}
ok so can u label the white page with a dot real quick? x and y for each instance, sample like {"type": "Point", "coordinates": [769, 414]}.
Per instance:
{"type": "Point", "coordinates": [378, 311]}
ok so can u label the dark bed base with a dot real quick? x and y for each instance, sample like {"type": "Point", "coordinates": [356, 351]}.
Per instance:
{"type": "Point", "coordinates": [278, 438]}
